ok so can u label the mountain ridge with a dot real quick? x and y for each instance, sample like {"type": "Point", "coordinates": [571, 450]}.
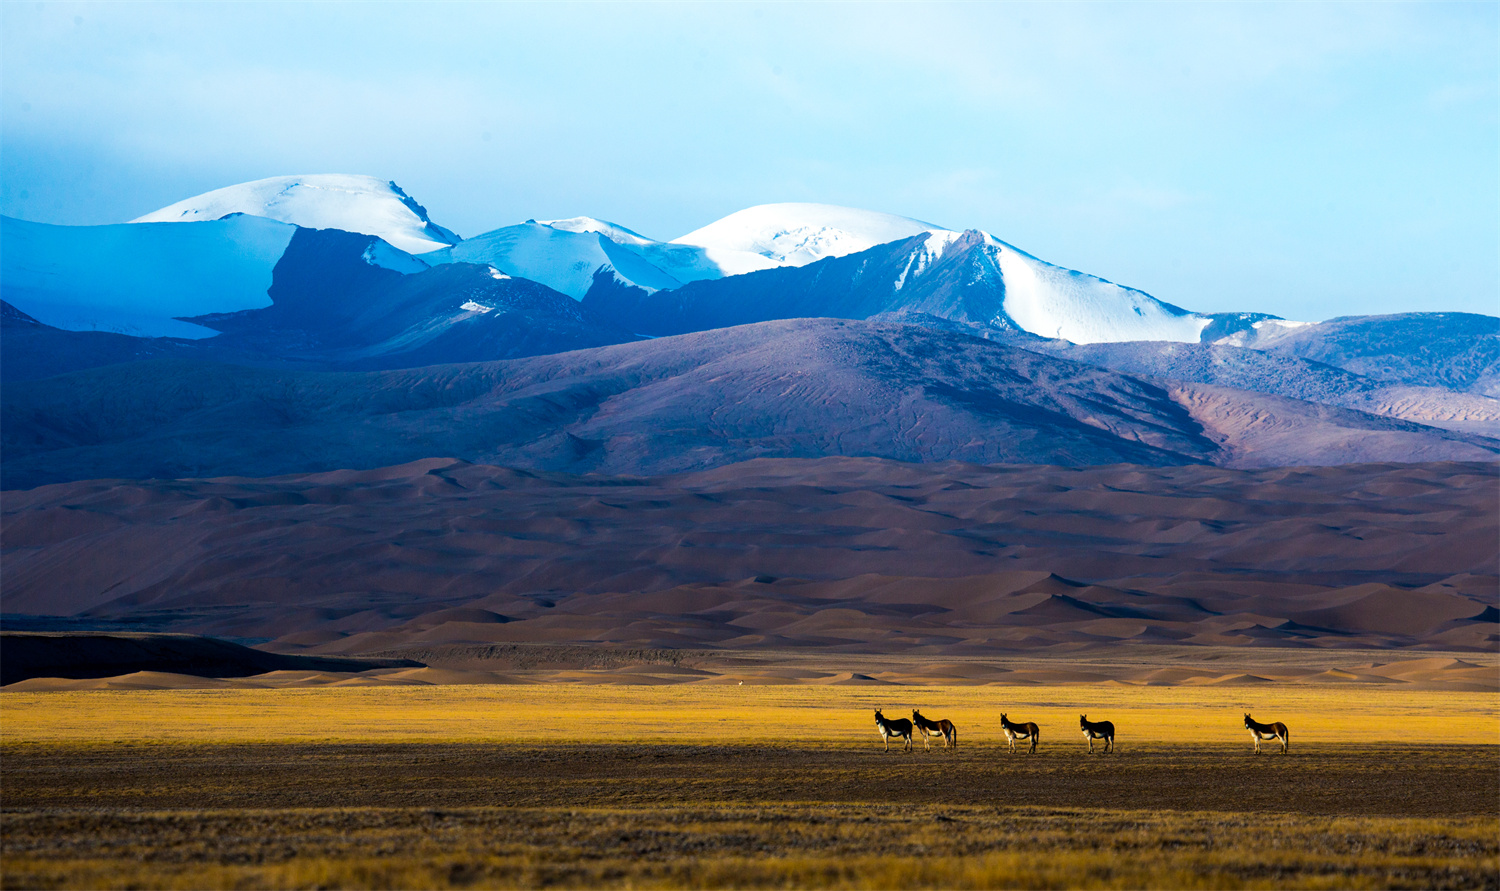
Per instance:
{"type": "Point", "coordinates": [801, 388]}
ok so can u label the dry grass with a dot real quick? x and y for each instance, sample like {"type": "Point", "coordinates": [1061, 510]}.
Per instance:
{"type": "Point", "coordinates": [752, 714]}
{"type": "Point", "coordinates": [705, 786]}
{"type": "Point", "coordinates": [733, 846]}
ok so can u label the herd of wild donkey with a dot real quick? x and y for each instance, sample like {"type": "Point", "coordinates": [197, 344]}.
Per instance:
{"type": "Point", "coordinates": [902, 729]}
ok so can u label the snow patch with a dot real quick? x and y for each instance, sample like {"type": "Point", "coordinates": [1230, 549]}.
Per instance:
{"type": "Point", "coordinates": [929, 253]}
{"type": "Point", "coordinates": [1279, 323]}
{"type": "Point", "coordinates": [1262, 333]}
{"type": "Point", "coordinates": [937, 243]}
{"type": "Point", "coordinates": [471, 306]}
{"type": "Point", "coordinates": [381, 254]}
{"type": "Point", "coordinates": [498, 276]}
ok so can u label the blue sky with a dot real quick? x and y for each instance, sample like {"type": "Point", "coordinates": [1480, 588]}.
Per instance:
{"type": "Point", "coordinates": [1306, 160]}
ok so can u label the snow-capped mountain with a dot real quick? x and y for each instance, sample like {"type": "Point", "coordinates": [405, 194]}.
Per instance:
{"type": "Point", "coordinates": [333, 308]}
{"type": "Point", "coordinates": [797, 234]}
{"type": "Point", "coordinates": [329, 305]}
{"type": "Point", "coordinates": [139, 279]}
{"type": "Point", "coordinates": [624, 269]}
{"type": "Point", "coordinates": [1023, 292]}
{"type": "Point", "coordinates": [765, 262]}
{"type": "Point", "coordinates": [362, 204]}
{"type": "Point", "coordinates": [561, 259]}
{"type": "Point", "coordinates": [684, 262]}
{"type": "Point", "coordinates": [569, 254]}
{"type": "Point", "coordinates": [146, 279]}
{"type": "Point", "coordinates": [993, 282]}
{"type": "Point", "coordinates": [969, 277]}
{"type": "Point", "coordinates": [572, 255]}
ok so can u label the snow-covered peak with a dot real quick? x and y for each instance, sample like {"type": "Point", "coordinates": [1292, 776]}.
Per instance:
{"type": "Point", "coordinates": [683, 262]}
{"type": "Point", "coordinates": [613, 231]}
{"type": "Point", "coordinates": [798, 234]}
{"type": "Point", "coordinates": [562, 259]}
{"type": "Point", "coordinates": [320, 201]}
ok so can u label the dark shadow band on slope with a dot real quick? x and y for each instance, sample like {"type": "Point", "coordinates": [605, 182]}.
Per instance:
{"type": "Point", "coordinates": [26, 655]}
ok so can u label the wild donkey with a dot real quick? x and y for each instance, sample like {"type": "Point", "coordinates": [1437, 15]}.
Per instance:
{"type": "Point", "coordinates": [1017, 730]}
{"type": "Point", "coordinates": [899, 728]}
{"type": "Point", "coordinates": [1093, 730]}
{"type": "Point", "coordinates": [941, 727]}
{"type": "Point", "coordinates": [1274, 730]}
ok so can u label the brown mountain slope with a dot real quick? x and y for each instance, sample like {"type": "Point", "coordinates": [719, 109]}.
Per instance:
{"type": "Point", "coordinates": [803, 388]}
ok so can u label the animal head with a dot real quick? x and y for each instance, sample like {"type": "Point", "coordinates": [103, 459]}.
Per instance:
{"type": "Point", "coordinates": [1082, 720]}
{"type": "Point", "coordinates": [1247, 719]}
{"type": "Point", "coordinates": [879, 716]}
{"type": "Point", "coordinates": [1004, 717]}
{"type": "Point", "coordinates": [916, 714]}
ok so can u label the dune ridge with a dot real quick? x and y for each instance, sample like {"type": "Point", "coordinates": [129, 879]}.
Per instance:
{"type": "Point", "coordinates": [833, 557]}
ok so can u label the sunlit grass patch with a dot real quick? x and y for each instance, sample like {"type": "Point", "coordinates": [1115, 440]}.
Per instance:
{"type": "Point", "coordinates": [751, 714]}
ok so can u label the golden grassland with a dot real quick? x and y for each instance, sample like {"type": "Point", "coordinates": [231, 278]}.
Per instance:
{"type": "Point", "coordinates": [731, 713]}
{"type": "Point", "coordinates": [743, 787]}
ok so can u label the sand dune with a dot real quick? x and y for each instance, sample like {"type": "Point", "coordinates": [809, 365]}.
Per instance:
{"type": "Point", "coordinates": [1147, 665]}
{"type": "Point", "coordinates": [468, 568]}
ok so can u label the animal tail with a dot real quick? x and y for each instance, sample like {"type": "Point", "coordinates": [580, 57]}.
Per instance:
{"type": "Point", "coordinates": [955, 737]}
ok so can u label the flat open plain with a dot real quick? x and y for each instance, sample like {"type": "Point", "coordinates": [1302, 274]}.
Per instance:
{"type": "Point", "coordinates": [753, 786]}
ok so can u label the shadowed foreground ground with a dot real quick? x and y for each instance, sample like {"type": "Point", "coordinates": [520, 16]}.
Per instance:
{"type": "Point", "coordinates": [434, 814]}
{"type": "Point", "coordinates": [1315, 779]}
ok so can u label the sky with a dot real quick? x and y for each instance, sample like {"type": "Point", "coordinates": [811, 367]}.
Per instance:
{"type": "Point", "coordinates": [1307, 160]}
